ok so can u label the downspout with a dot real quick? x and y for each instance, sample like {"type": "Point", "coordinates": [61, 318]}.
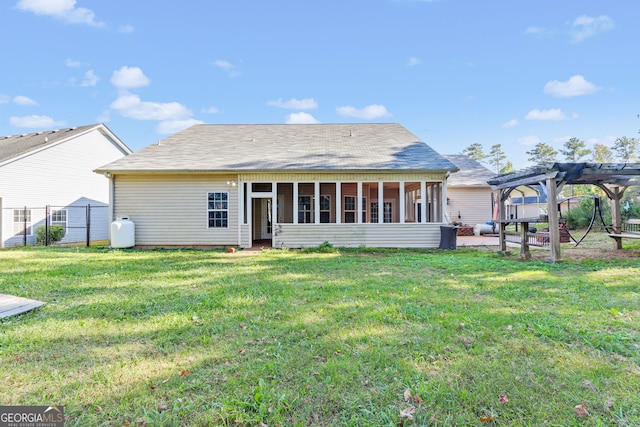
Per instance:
{"type": "Point", "coordinates": [112, 199]}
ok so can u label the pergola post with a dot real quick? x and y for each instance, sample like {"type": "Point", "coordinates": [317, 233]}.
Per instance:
{"type": "Point", "coordinates": [616, 217]}
{"type": "Point", "coordinates": [554, 224]}
{"type": "Point", "coordinates": [502, 215]}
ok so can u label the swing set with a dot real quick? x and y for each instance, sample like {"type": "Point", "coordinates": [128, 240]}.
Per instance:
{"type": "Point", "coordinates": [596, 213]}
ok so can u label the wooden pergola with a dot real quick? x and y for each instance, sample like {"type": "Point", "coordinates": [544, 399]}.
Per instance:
{"type": "Point", "coordinates": [612, 178]}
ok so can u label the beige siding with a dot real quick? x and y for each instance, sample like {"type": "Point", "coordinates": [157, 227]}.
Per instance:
{"type": "Point", "coordinates": [353, 235]}
{"type": "Point", "coordinates": [469, 205]}
{"type": "Point", "coordinates": [172, 210]}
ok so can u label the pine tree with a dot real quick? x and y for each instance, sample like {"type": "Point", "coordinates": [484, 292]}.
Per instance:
{"type": "Point", "coordinates": [542, 153]}
{"type": "Point", "coordinates": [496, 157]}
{"type": "Point", "coordinates": [601, 154]}
{"type": "Point", "coordinates": [574, 150]}
{"type": "Point", "coordinates": [475, 152]}
{"type": "Point", "coordinates": [626, 149]}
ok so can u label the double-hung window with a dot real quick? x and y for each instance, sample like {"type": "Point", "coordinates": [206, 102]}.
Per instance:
{"type": "Point", "coordinates": [387, 212]}
{"type": "Point", "coordinates": [325, 209]}
{"type": "Point", "coordinates": [351, 207]}
{"type": "Point", "coordinates": [22, 222]}
{"type": "Point", "coordinates": [59, 217]}
{"type": "Point", "coordinates": [305, 209]}
{"type": "Point", "coordinates": [218, 209]}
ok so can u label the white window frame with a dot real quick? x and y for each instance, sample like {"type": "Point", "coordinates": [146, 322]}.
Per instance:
{"type": "Point", "coordinates": [63, 220]}
{"type": "Point", "coordinates": [305, 212]}
{"type": "Point", "coordinates": [19, 222]}
{"type": "Point", "coordinates": [374, 212]}
{"type": "Point", "coordinates": [217, 206]}
{"type": "Point", "coordinates": [325, 198]}
{"type": "Point", "coordinates": [354, 211]}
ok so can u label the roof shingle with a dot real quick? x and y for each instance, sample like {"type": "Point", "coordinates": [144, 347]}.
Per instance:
{"type": "Point", "coordinates": [268, 147]}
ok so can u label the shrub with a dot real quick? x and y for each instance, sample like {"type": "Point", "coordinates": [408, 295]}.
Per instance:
{"type": "Point", "coordinates": [56, 233]}
{"type": "Point", "coordinates": [580, 216]}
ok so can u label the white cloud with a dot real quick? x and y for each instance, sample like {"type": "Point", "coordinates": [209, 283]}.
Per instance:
{"type": "Point", "coordinates": [211, 110]}
{"type": "Point", "coordinates": [585, 26]}
{"type": "Point", "coordinates": [104, 117]}
{"type": "Point", "coordinates": [510, 124]}
{"type": "Point", "coordinates": [528, 140]}
{"type": "Point", "coordinates": [554, 114]}
{"type": "Point", "coordinates": [413, 61]}
{"type": "Point", "coordinates": [129, 77]}
{"type": "Point", "coordinates": [169, 127]}
{"type": "Point", "coordinates": [72, 63]}
{"type": "Point", "coordinates": [301, 119]}
{"type": "Point", "coordinates": [575, 86]}
{"type": "Point", "coordinates": [90, 79]}
{"type": "Point", "coordinates": [227, 66]}
{"type": "Point", "coordinates": [295, 104]}
{"type": "Point", "coordinates": [35, 122]}
{"type": "Point", "coordinates": [23, 100]}
{"type": "Point", "coordinates": [129, 105]}
{"type": "Point", "coordinates": [126, 29]}
{"type": "Point", "coordinates": [370, 112]}
{"type": "Point", "coordinates": [64, 10]}
{"type": "Point", "coordinates": [539, 31]}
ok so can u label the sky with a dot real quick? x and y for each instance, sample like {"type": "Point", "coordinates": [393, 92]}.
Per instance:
{"type": "Point", "coordinates": [453, 72]}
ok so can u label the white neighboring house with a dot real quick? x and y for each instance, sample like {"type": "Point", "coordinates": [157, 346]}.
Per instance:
{"type": "Point", "coordinates": [469, 199]}
{"type": "Point", "coordinates": [50, 174]}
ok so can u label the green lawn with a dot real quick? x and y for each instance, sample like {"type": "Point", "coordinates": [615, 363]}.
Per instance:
{"type": "Point", "coordinates": [343, 338]}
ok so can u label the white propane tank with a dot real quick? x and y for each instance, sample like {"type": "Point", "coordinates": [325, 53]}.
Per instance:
{"type": "Point", "coordinates": [123, 233]}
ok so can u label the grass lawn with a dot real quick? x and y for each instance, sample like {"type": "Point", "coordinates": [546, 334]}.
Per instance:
{"type": "Point", "coordinates": [344, 338]}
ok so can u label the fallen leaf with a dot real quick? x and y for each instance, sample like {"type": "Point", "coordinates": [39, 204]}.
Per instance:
{"type": "Point", "coordinates": [185, 373]}
{"type": "Point", "coordinates": [610, 402]}
{"type": "Point", "coordinates": [408, 413]}
{"type": "Point", "coordinates": [407, 395]}
{"type": "Point", "coordinates": [503, 398]}
{"type": "Point", "coordinates": [486, 419]}
{"type": "Point", "coordinates": [240, 351]}
{"type": "Point", "coordinates": [509, 328]}
{"type": "Point", "coordinates": [19, 359]}
{"type": "Point", "coordinates": [417, 399]}
{"type": "Point", "coordinates": [581, 411]}
{"type": "Point", "coordinates": [162, 407]}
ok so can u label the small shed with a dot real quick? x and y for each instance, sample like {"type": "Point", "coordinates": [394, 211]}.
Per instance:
{"type": "Point", "coordinates": [612, 178]}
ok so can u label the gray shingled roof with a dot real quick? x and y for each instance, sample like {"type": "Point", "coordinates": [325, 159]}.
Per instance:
{"type": "Point", "coordinates": [471, 173]}
{"type": "Point", "coordinates": [266, 147]}
{"type": "Point", "coordinates": [16, 145]}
